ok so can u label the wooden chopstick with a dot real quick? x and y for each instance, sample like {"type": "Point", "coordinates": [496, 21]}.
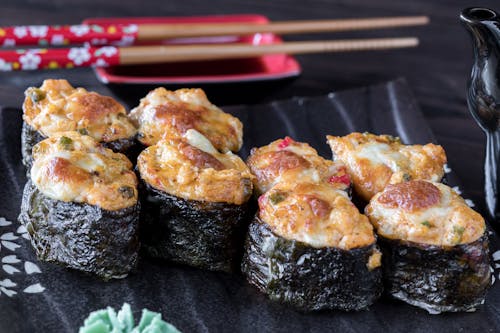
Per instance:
{"type": "Point", "coordinates": [148, 32]}
{"type": "Point", "coordinates": [127, 34]}
{"type": "Point", "coordinates": [133, 55]}
{"type": "Point", "coordinates": [157, 54]}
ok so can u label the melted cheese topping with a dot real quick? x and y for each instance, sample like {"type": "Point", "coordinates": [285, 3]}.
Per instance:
{"type": "Point", "coordinates": [57, 107]}
{"type": "Point", "coordinates": [74, 167]}
{"type": "Point", "coordinates": [373, 161]}
{"type": "Point", "coordinates": [166, 114]}
{"type": "Point", "coordinates": [424, 212]}
{"type": "Point", "coordinates": [286, 160]}
{"type": "Point", "coordinates": [191, 168]}
{"type": "Point", "coordinates": [315, 214]}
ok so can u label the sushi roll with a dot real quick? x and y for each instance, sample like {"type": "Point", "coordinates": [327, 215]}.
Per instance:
{"type": "Point", "coordinates": [309, 246]}
{"type": "Point", "coordinates": [435, 248]}
{"type": "Point", "coordinates": [373, 161]}
{"type": "Point", "coordinates": [169, 114]}
{"type": "Point", "coordinates": [81, 207]}
{"type": "Point", "coordinates": [286, 159]}
{"type": "Point", "coordinates": [58, 107]}
{"type": "Point", "coordinates": [195, 202]}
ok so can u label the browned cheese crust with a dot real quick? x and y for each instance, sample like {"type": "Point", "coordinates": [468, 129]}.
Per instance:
{"type": "Point", "coordinates": [316, 214]}
{"type": "Point", "coordinates": [73, 167]}
{"type": "Point", "coordinates": [426, 213]}
{"type": "Point", "coordinates": [192, 169]}
{"type": "Point", "coordinates": [286, 160]}
{"type": "Point", "coordinates": [164, 114]}
{"type": "Point", "coordinates": [58, 107]}
{"type": "Point", "coordinates": [374, 161]}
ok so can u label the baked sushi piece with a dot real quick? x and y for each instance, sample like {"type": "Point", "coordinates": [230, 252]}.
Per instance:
{"type": "Point", "coordinates": [287, 160]}
{"type": "Point", "coordinates": [81, 207]}
{"type": "Point", "coordinates": [195, 202]}
{"type": "Point", "coordinates": [58, 107]}
{"type": "Point", "coordinates": [435, 248]}
{"type": "Point", "coordinates": [166, 114]}
{"type": "Point", "coordinates": [309, 246]}
{"type": "Point", "coordinates": [373, 161]}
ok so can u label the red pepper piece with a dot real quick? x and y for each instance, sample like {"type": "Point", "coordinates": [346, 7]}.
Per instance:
{"type": "Point", "coordinates": [285, 142]}
{"type": "Point", "coordinates": [344, 179]}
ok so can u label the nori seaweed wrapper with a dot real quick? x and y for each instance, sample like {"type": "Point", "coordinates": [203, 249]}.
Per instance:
{"type": "Point", "coordinates": [81, 236]}
{"type": "Point", "coordinates": [435, 278]}
{"type": "Point", "coordinates": [30, 137]}
{"type": "Point", "coordinates": [309, 278]}
{"type": "Point", "coordinates": [202, 234]}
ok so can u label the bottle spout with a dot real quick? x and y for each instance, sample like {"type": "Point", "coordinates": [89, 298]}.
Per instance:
{"type": "Point", "coordinates": [478, 15]}
{"type": "Point", "coordinates": [484, 26]}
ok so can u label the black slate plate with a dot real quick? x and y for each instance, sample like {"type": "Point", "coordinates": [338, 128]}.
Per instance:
{"type": "Point", "coordinates": [58, 300]}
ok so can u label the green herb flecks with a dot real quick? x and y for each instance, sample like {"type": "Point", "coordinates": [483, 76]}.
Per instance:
{"type": "Point", "coordinates": [459, 232]}
{"type": "Point", "coordinates": [395, 139]}
{"type": "Point", "coordinates": [126, 191]}
{"type": "Point", "coordinates": [36, 95]}
{"type": "Point", "coordinates": [426, 223]}
{"type": "Point", "coordinates": [66, 143]}
{"type": "Point", "coordinates": [277, 197]}
{"type": "Point", "coordinates": [83, 131]}
{"type": "Point", "coordinates": [406, 177]}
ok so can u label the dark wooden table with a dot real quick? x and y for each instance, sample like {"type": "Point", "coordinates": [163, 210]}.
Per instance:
{"type": "Point", "coordinates": [437, 70]}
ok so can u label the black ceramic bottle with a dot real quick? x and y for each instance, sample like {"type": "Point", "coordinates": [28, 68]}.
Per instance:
{"type": "Point", "coordinates": [483, 95]}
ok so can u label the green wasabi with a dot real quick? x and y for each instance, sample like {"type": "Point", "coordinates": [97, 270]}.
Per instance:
{"type": "Point", "coordinates": [108, 321]}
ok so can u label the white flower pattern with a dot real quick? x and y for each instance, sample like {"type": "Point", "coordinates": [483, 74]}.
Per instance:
{"type": "Point", "coordinates": [23, 232]}
{"type": "Point", "coordinates": [98, 41]}
{"type": "Point", "coordinates": [34, 288]}
{"type": "Point", "coordinates": [5, 285]}
{"type": "Point", "coordinates": [108, 51]}
{"type": "Point", "coordinates": [126, 40]}
{"type": "Point", "coordinates": [5, 66]}
{"type": "Point", "coordinates": [7, 241]}
{"type": "Point", "coordinates": [30, 60]}
{"type": "Point", "coordinates": [57, 40]}
{"type": "Point", "coordinates": [100, 63]}
{"type": "Point", "coordinates": [21, 31]}
{"type": "Point", "coordinates": [79, 55]}
{"type": "Point", "coordinates": [4, 222]}
{"type": "Point", "coordinates": [8, 42]}
{"type": "Point", "coordinates": [14, 266]}
{"type": "Point", "coordinates": [38, 30]}
{"type": "Point", "coordinates": [79, 30]}
{"type": "Point", "coordinates": [130, 29]}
